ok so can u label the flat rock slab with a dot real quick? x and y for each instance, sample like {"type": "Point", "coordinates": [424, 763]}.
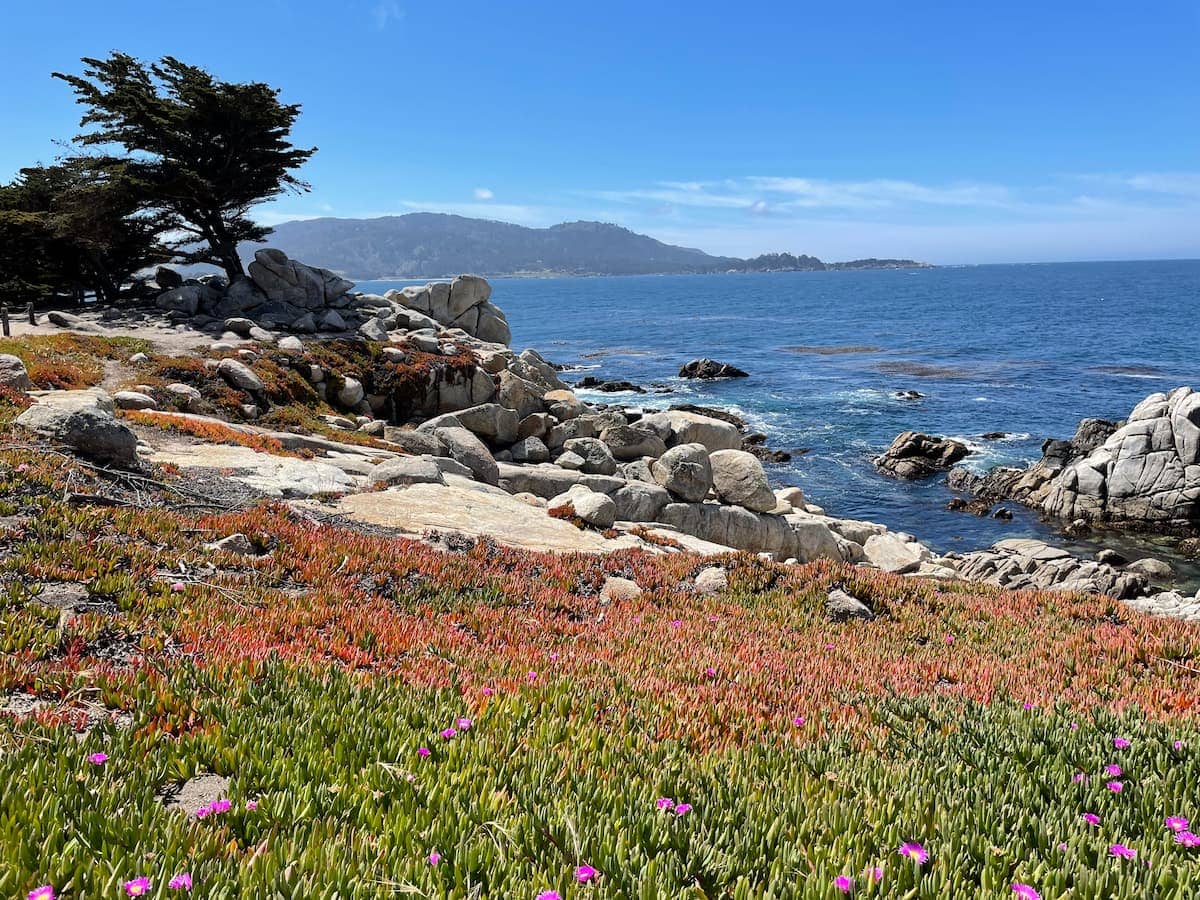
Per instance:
{"type": "Point", "coordinates": [275, 476]}
{"type": "Point", "coordinates": [195, 793]}
{"type": "Point", "coordinates": [501, 517]}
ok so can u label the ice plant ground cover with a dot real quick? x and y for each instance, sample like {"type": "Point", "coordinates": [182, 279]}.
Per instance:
{"type": "Point", "coordinates": [377, 704]}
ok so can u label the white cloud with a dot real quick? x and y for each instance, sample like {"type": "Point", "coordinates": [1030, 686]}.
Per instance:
{"type": "Point", "coordinates": [384, 13]}
{"type": "Point", "coordinates": [482, 193]}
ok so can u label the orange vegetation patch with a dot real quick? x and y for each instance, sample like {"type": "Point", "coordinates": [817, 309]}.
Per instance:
{"type": "Point", "coordinates": [722, 669]}
{"type": "Point", "coordinates": [213, 432]}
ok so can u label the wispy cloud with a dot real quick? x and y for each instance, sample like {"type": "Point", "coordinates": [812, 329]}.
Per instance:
{"type": "Point", "coordinates": [482, 193]}
{"type": "Point", "coordinates": [384, 13]}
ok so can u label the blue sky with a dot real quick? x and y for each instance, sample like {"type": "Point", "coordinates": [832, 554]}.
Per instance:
{"type": "Point", "coordinates": [952, 132]}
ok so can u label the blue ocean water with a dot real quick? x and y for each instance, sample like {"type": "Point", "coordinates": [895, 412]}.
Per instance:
{"type": "Point", "coordinates": [1024, 349]}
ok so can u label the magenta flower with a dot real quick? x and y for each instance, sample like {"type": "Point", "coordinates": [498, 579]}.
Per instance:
{"type": "Point", "coordinates": [949, 639]}
{"type": "Point", "coordinates": [844, 883]}
{"type": "Point", "coordinates": [1062, 847]}
{"type": "Point", "coordinates": [1121, 743]}
{"type": "Point", "coordinates": [676, 623]}
{"type": "Point", "coordinates": [139, 887]}
{"type": "Point", "coordinates": [98, 759]}
{"type": "Point", "coordinates": [1176, 823]}
{"type": "Point", "coordinates": [1120, 851]}
{"type": "Point", "coordinates": [463, 724]}
{"type": "Point", "coordinates": [710, 672]}
{"type": "Point", "coordinates": [251, 805]}
{"type": "Point", "coordinates": [181, 882]}
{"type": "Point", "coordinates": [422, 752]}
{"type": "Point", "coordinates": [1115, 786]}
{"type": "Point", "coordinates": [1074, 726]}
{"type": "Point", "coordinates": [875, 873]}
{"type": "Point", "coordinates": [1178, 745]}
{"type": "Point", "coordinates": [448, 733]}
{"type": "Point", "coordinates": [553, 657]}
{"type": "Point", "coordinates": [549, 895]}
{"type": "Point", "coordinates": [45, 892]}
{"type": "Point", "coordinates": [665, 803]}
{"type": "Point", "coordinates": [1091, 818]}
{"type": "Point", "coordinates": [798, 721]}
{"type": "Point", "coordinates": [1025, 891]}
{"type": "Point", "coordinates": [1113, 770]}
{"type": "Point", "coordinates": [487, 691]}
{"type": "Point", "coordinates": [220, 806]}
{"type": "Point", "coordinates": [914, 851]}
{"type": "Point", "coordinates": [177, 588]}
{"type": "Point", "coordinates": [434, 857]}
{"type": "Point", "coordinates": [203, 812]}
{"type": "Point", "coordinates": [682, 809]}
{"type": "Point", "coordinates": [1078, 777]}
{"type": "Point", "coordinates": [1027, 705]}
{"type": "Point", "coordinates": [532, 676]}
{"type": "Point", "coordinates": [584, 874]}
{"type": "Point", "coordinates": [1187, 839]}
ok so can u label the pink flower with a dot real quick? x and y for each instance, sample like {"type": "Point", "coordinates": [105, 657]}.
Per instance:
{"type": "Point", "coordinates": [1074, 726]}
{"type": "Point", "coordinates": [1078, 777]}
{"type": "Point", "coordinates": [1120, 851]}
{"type": "Point", "coordinates": [181, 882]}
{"type": "Point", "coordinates": [584, 874]}
{"type": "Point", "coordinates": [251, 805]}
{"type": "Point", "coordinates": [423, 752]}
{"type": "Point", "coordinates": [553, 657]}
{"type": "Point", "coordinates": [676, 623]}
{"type": "Point", "coordinates": [549, 895]}
{"type": "Point", "coordinates": [1113, 770]}
{"type": "Point", "coordinates": [434, 857]}
{"type": "Point", "coordinates": [949, 639]}
{"type": "Point", "coordinates": [829, 646]}
{"type": "Point", "coordinates": [798, 721]}
{"type": "Point", "coordinates": [1027, 705]}
{"type": "Point", "coordinates": [22, 468]}
{"type": "Point", "coordinates": [487, 691]}
{"type": "Point", "coordinates": [1091, 818]}
{"type": "Point", "coordinates": [176, 588]}
{"type": "Point", "coordinates": [463, 724]}
{"type": "Point", "coordinates": [448, 733]}
{"type": "Point", "coordinates": [665, 803]}
{"type": "Point", "coordinates": [1178, 745]}
{"type": "Point", "coordinates": [98, 759]}
{"type": "Point", "coordinates": [875, 873]}
{"type": "Point", "coordinates": [914, 851]}
{"type": "Point", "coordinates": [1115, 786]}
{"type": "Point", "coordinates": [220, 806]}
{"type": "Point", "coordinates": [844, 883]}
{"type": "Point", "coordinates": [532, 676]}
{"type": "Point", "coordinates": [710, 672]}
{"type": "Point", "coordinates": [138, 887]}
{"type": "Point", "coordinates": [1062, 847]}
{"type": "Point", "coordinates": [682, 809]}
{"type": "Point", "coordinates": [1121, 743]}
{"type": "Point", "coordinates": [1025, 891]}
{"type": "Point", "coordinates": [1187, 839]}
{"type": "Point", "coordinates": [45, 892]}
{"type": "Point", "coordinates": [1176, 823]}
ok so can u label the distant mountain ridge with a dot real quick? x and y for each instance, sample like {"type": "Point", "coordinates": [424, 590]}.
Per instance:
{"type": "Point", "coordinates": [430, 245]}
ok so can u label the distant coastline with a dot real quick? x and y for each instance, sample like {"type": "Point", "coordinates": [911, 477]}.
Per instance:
{"type": "Point", "coordinates": [434, 245]}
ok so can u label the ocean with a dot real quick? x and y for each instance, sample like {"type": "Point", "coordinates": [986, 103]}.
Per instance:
{"type": "Point", "coordinates": [1027, 350]}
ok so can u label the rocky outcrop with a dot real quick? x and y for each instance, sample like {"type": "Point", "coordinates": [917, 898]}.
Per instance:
{"type": "Point", "coordinates": [1021, 563]}
{"type": "Point", "coordinates": [685, 471]}
{"type": "Point", "coordinates": [13, 373]}
{"type": "Point", "coordinates": [1143, 473]}
{"type": "Point", "coordinates": [83, 421]}
{"type": "Point", "coordinates": [916, 455]}
{"type": "Point", "coordinates": [738, 478]}
{"type": "Point", "coordinates": [1146, 471]}
{"type": "Point", "coordinates": [707, 369]}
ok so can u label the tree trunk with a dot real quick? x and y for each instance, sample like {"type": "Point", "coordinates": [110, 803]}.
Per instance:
{"type": "Point", "coordinates": [225, 248]}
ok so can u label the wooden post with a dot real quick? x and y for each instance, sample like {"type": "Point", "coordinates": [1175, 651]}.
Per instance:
{"type": "Point", "coordinates": [4, 319]}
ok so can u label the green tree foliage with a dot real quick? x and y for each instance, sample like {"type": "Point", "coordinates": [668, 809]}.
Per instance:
{"type": "Point", "coordinates": [83, 224]}
{"type": "Point", "coordinates": [206, 150]}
